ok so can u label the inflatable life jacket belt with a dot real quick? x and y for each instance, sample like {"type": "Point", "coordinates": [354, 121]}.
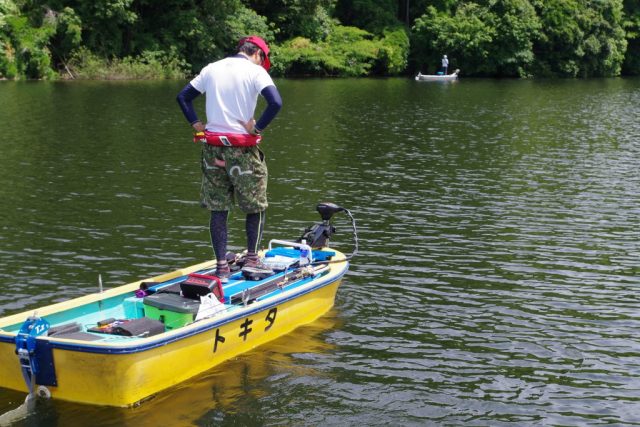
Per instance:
{"type": "Point", "coordinates": [227, 139]}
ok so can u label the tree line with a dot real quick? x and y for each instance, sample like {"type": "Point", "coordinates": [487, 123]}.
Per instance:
{"type": "Point", "coordinates": [112, 39]}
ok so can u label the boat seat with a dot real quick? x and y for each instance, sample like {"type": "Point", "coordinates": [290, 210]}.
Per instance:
{"type": "Point", "coordinates": [82, 336]}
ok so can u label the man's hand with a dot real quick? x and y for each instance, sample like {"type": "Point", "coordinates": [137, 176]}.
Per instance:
{"type": "Point", "coordinates": [250, 126]}
{"type": "Point", "coordinates": [198, 126]}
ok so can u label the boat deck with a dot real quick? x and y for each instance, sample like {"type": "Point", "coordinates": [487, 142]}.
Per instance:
{"type": "Point", "coordinates": [171, 308]}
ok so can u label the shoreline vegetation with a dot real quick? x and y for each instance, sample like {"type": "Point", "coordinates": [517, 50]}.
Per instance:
{"type": "Point", "coordinates": [85, 65]}
{"type": "Point", "coordinates": [134, 39]}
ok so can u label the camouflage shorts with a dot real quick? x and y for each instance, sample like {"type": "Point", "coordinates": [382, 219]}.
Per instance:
{"type": "Point", "coordinates": [242, 180]}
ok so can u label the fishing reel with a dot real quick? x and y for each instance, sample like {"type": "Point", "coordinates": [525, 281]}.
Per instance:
{"type": "Point", "coordinates": [318, 235]}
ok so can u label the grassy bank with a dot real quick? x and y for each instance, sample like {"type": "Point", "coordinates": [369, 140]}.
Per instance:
{"type": "Point", "coordinates": [85, 65]}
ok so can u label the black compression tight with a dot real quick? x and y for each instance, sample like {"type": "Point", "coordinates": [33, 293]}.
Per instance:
{"type": "Point", "coordinates": [254, 226]}
{"type": "Point", "coordinates": [218, 231]}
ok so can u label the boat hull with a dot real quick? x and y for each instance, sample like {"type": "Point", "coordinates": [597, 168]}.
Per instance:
{"type": "Point", "coordinates": [433, 78]}
{"type": "Point", "coordinates": [123, 374]}
{"type": "Point", "coordinates": [437, 77]}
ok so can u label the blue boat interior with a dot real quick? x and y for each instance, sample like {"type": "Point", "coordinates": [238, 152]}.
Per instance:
{"type": "Point", "coordinates": [162, 306]}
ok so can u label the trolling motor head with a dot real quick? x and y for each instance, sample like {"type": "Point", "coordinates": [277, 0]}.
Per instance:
{"type": "Point", "coordinates": [327, 210]}
{"type": "Point", "coordinates": [318, 235]}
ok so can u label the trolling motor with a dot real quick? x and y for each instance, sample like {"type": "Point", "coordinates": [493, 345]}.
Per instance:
{"type": "Point", "coordinates": [319, 234]}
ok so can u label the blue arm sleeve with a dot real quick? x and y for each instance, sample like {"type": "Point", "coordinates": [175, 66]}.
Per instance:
{"type": "Point", "coordinates": [185, 100]}
{"type": "Point", "coordinates": [274, 104]}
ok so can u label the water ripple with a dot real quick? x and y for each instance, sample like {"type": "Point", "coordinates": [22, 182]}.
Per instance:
{"type": "Point", "coordinates": [497, 277]}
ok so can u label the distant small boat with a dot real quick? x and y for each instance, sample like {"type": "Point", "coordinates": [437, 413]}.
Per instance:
{"type": "Point", "coordinates": [437, 77]}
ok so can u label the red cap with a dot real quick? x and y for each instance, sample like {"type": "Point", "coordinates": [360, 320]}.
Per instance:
{"type": "Point", "coordinates": [258, 41]}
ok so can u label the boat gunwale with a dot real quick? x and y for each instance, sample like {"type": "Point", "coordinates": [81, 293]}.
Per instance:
{"type": "Point", "coordinates": [436, 77]}
{"type": "Point", "coordinates": [188, 331]}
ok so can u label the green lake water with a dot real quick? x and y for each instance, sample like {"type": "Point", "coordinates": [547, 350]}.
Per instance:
{"type": "Point", "coordinates": [499, 227]}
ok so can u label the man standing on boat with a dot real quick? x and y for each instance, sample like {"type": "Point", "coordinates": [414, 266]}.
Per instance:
{"type": "Point", "coordinates": [445, 65]}
{"type": "Point", "coordinates": [233, 167]}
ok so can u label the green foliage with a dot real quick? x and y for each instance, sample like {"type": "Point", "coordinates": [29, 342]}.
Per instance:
{"type": "Point", "coordinates": [245, 22]}
{"type": "Point", "coordinates": [337, 56]}
{"type": "Point", "coordinates": [193, 31]}
{"type": "Point", "coordinates": [200, 32]}
{"type": "Point", "coordinates": [69, 32]}
{"type": "Point", "coordinates": [353, 50]}
{"type": "Point", "coordinates": [311, 19]}
{"type": "Point", "coordinates": [148, 65]}
{"type": "Point", "coordinates": [517, 27]}
{"type": "Point", "coordinates": [394, 51]}
{"type": "Point", "coordinates": [135, 38]}
{"type": "Point", "coordinates": [371, 15]}
{"type": "Point", "coordinates": [299, 56]}
{"type": "Point", "coordinates": [347, 51]}
{"type": "Point", "coordinates": [464, 37]}
{"type": "Point", "coordinates": [7, 7]}
{"type": "Point", "coordinates": [631, 63]}
{"type": "Point", "coordinates": [8, 66]}
{"type": "Point", "coordinates": [580, 38]}
{"type": "Point", "coordinates": [25, 47]}
{"type": "Point", "coordinates": [493, 38]}
{"type": "Point", "coordinates": [107, 24]}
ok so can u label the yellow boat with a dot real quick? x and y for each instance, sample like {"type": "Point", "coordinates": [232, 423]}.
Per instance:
{"type": "Point", "coordinates": [124, 345]}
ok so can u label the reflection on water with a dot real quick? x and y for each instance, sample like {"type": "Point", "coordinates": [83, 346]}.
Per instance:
{"type": "Point", "coordinates": [230, 393]}
{"type": "Point", "coordinates": [499, 244]}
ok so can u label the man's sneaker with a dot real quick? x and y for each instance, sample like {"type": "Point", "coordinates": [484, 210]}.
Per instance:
{"type": "Point", "coordinates": [254, 269]}
{"type": "Point", "coordinates": [223, 274]}
{"type": "Point", "coordinates": [256, 263]}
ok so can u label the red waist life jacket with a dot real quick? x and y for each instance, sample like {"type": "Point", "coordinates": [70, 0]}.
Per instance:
{"type": "Point", "coordinates": [227, 139]}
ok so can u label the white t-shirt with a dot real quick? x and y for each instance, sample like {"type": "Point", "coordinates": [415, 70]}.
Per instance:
{"type": "Point", "coordinates": [232, 86]}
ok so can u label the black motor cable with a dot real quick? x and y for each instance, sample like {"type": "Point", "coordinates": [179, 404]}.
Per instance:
{"type": "Point", "coordinates": [355, 243]}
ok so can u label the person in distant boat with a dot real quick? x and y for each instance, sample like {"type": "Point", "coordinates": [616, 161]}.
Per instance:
{"type": "Point", "coordinates": [445, 65]}
{"type": "Point", "coordinates": [233, 167]}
